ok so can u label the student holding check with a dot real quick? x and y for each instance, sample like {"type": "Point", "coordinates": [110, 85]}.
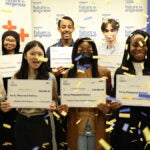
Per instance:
{"type": "Point", "coordinates": [33, 128]}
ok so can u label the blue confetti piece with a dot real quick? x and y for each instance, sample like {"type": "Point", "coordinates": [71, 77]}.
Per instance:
{"type": "Point", "coordinates": [112, 99]}
{"type": "Point", "coordinates": [143, 95]}
{"type": "Point", "coordinates": [125, 127]}
{"type": "Point", "coordinates": [139, 132]}
{"type": "Point", "coordinates": [81, 67]}
{"type": "Point", "coordinates": [49, 78]}
{"type": "Point", "coordinates": [36, 148]}
{"type": "Point", "coordinates": [144, 114]}
{"type": "Point", "coordinates": [46, 116]}
{"type": "Point", "coordinates": [78, 58]}
{"type": "Point", "coordinates": [125, 110]}
{"type": "Point", "coordinates": [87, 65]}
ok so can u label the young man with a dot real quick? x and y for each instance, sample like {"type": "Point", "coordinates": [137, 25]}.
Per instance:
{"type": "Point", "coordinates": [110, 46]}
{"type": "Point", "coordinates": [66, 28]}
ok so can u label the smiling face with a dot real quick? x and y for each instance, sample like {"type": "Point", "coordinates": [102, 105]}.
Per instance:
{"type": "Point", "coordinates": [85, 47]}
{"type": "Point", "coordinates": [138, 48]}
{"type": "Point", "coordinates": [10, 44]}
{"type": "Point", "coordinates": [66, 28]}
{"type": "Point", "coordinates": [32, 57]}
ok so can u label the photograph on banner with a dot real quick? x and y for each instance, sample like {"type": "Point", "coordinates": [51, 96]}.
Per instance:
{"type": "Point", "coordinates": [10, 64]}
{"type": "Point", "coordinates": [83, 92]}
{"type": "Point", "coordinates": [133, 90]}
{"type": "Point", "coordinates": [60, 56]}
{"type": "Point", "coordinates": [29, 93]}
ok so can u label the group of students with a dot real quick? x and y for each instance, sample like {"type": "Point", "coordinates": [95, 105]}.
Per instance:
{"type": "Point", "coordinates": [37, 129]}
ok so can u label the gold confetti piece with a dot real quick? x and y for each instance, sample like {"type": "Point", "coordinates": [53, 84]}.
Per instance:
{"type": "Point", "coordinates": [126, 47]}
{"type": "Point", "coordinates": [46, 143]}
{"type": "Point", "coordinates": [64, 72]}
{"type": "Point", "coordinates": [104, 77]}
{"type": "Point", "coordinates": [44, 59]}
{"type": "Point", "coordinates": [131, 131]}
{"type": "Point", "coordinates": [139, 125]}
{"type": "Point", "coordinates": [88, 41]}
{"type": "Point", "coordinates": [127, 97]}
{"type": "Point", "coordinates": [69, 65]}
{"type": "Point", "coordinates": [125, 68]}
{"type": "Point", "coordinates": [124, 115]}
{"type": "Point", "coordinates": [80, 71]}
{"type": "Point", "coordinates": [56, 115]}
{"type": "Point", "coordinates": [63, 113]}
{"type": "Point", "coordinates": [96, 57]}
{"type": "Point", "coordinates": [104, 144]}
{"type": "Point", "coordinates": [109, 129]}
{"type": "Point", "coordinates": [142, 66]}
{"type": "Point", "coordinates": [128, 57]}
{"type": "Point", "coordinates": [146, 133]}
{"type": "Point", "coordinates": [128, 74]}
{"type": "Point", "coordinates": [145, 15]}
{"type": "Point", "coordinates": [54, 70]}
{"type": "Point", "coordinates": [78, 84]}
{"type": "Point", "coordinates": [78, 121]}
{"type": "Point", "coordinates": [7, 143]}
{"type": "Point", "coordinates": [111, 122]}
{"type": "Point", "coordinates": [146, 38]}
{"type": "Point", "coordinates": [134, 140]}
{"type": "Point", "coordinates": [6, 126]}
{"type": "Point", "coordinates": [140, 43]}
{"type": "Point", "coordinates": [132, 128]}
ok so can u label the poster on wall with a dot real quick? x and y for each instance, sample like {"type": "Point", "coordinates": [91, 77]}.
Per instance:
{"type": "Point", "coordinates": [16, 15]}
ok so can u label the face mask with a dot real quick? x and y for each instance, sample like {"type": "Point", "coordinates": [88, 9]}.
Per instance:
{"type": "Point", "coordinates": [85, 58]}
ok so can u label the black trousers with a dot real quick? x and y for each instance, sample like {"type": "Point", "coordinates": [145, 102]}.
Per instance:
{"type": "Point", "coordinates": [33, 132]}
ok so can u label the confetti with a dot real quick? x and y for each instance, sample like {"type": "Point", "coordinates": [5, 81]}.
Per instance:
{"type": "Point", "coordinates": [78, 121]}
{"type": "Point", "coordinates": [125, 127]}
{"type": "Point", "coordinates": [126, 47]}
{"type": "Point", "coordinates": [124, 115]}
{"type": "Point", "coordinates": [146, 133]}
{"type": "Point", "coordinates": [109, 129]}
{"type": "Point", "coordinates": [56, 115]}
{"type": "Point", "coordinates": [6, 126]}
{"type": "Point", "coordinates": [43, 59]}
{"type": "Point", "coordinates": [124, 68]}
{"type": "Point", "coordinates": [96, 57]}
{"type": "Point", "coordinates": [128, 74]}
{"type": "Point", "coordinates": [63, 113]}
{"type": "Point", "coordinates": [111, 122]}
{"type": "Point", "coordinates": [104, 144]}
{"type": "Point", "coordinates": [140, 43]}
{"type": "Point", "coordinates": [125, 110]}
{"type": "Point", "coordinates": [146, 38]}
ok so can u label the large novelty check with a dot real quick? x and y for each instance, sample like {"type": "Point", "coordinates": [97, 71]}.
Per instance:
{"type": "Point", "coordinates": [83, 92]}
{"type": "Point", "coordinates": [134, 91]}
{"type": "Point", "coordinates": [29, 93]}
{"type": "Point", "coordinates": [60, 56]}
{"type": "Point", "coordinates": [10, 64]}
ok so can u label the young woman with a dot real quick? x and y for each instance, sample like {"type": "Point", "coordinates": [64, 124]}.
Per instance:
{"type": "Point", "coordinates": [91, 128]}
{"type": "Point", "coordinates": [31, 129]}
{"type": "Point", "coordinates": [136, 55]}
{"type": "Point", "coordinates": [10, 46]}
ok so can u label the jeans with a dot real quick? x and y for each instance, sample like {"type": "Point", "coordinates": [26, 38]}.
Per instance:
{"type": "Point", "coordinates": [87, 140]}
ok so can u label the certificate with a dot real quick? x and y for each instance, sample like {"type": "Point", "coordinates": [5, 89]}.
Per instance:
{"type": "Point", "coordinates": [134, 91]}
{"type": "Point", "coordinates": [10, 64]}
{"type": "Point", "coordinates": [83, 92]}
{"type": "Point", "coordinates": [60, 56]}
{"type": "Point", "coordinates": [29, 93]}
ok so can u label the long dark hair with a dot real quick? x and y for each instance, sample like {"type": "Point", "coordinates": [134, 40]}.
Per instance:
{"type": "Point", "coordinates": [127, 59]}
{"type": "Point", "coordinates": [16, 36]}
{"type": "Point", "coordinates": [42, 71]}
{"type": "Point", "coordinates": [73, 71]}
